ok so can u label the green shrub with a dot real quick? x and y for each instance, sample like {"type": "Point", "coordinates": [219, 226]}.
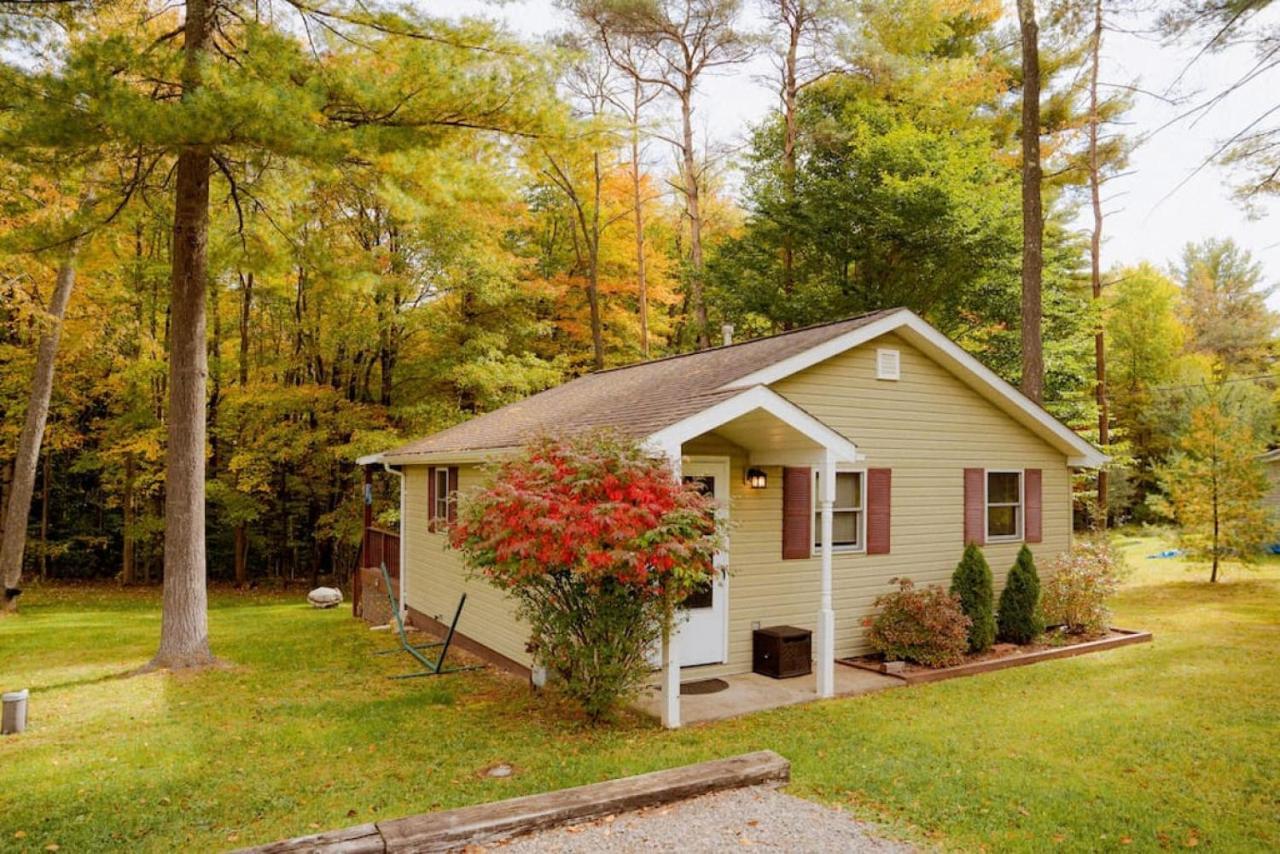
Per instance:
{"type": "Point", "coordinates": [1019, 619]}
{"type": "Point", "coordinates": [1080, 581]}
{"type": "Point", "coordinates": [923, 626]}
{"type": "Point", "coordinates": [971, 582]}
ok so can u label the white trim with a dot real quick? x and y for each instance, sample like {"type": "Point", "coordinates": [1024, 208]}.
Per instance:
{"type": "Point", "coordinates": [987, 536]}
{"type": "Point", "coordinates": [452, 458]}
{"type": "Point", "coordinates": [861, 547]}
{"type": "Point", "coordinates": [826, 657]}
{"type": "Point", "coordinates": [1080, 453]}
{"type": "Point", "coordinates": [750, 400]}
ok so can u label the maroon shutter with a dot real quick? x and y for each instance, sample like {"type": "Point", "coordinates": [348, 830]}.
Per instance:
{"type": "Point", "coordinates": [879, 487]}
{"type": "Point", "coordinates": [1032, 498]}
{"type": "Point", "coordinates": [453, 494]}
{"type": "Point", "coordinates": [975, 509]}
{"type": "Point", "coordinates": [431, 498]}
{"type": "Point", "coordinates": [797, 513]}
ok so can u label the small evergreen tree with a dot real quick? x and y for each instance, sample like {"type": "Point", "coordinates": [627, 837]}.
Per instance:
{"type": "Point", "coordinates": [1019, 617]}
{"type": "Point", "coordinates": [972, 583]}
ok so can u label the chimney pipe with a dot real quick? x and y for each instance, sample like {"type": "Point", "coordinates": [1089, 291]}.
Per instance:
{"type": "Point", "coordinates": [726, 331]}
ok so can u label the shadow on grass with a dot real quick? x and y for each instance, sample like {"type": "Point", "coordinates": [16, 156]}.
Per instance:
{"type": "Point", "coordinates": [90, 680]}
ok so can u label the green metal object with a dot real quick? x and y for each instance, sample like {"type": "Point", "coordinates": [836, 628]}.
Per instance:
{"type": "Point", "coordinates": [430, 668]}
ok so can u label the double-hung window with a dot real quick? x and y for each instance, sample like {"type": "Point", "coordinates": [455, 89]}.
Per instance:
{"type": "Point", "coordinates": [1004, 505]}
{"type": "Point", "coordinates": [848, 522]}
{"type": "Point", "coordinates": [442, 496]}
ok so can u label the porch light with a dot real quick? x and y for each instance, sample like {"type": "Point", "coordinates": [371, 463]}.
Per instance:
{"type": "Point", "coordinates": [757, 479]}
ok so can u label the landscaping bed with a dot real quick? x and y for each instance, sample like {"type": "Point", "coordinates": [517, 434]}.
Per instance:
{"type": "Point", "coordinates": [1000, 656]}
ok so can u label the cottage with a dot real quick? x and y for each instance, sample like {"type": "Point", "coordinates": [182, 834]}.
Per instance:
{"type": "Point", "coordinates": [845, 455]}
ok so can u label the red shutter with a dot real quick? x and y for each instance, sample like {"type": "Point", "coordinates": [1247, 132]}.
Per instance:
{"type": "Point", "coordinates": [431, 498]}
{"type": "Point", "coordinates": [1032, 498]}
{"type": "Point", "coordinates": [797, 513]}
{"type": "Point", "coordinates": [975, 510]}
{"type": "Point", "coordinates": [879, 487]}
{"type": "Point", "coordinates": [453, 494]}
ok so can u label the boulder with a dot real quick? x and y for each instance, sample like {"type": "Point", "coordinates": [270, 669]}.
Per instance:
{"type": "Point", "coordinates": [325, 597]}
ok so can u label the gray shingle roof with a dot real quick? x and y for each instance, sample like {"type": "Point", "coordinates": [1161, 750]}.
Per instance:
{"type": "Point", "coordinates": [637, 400]}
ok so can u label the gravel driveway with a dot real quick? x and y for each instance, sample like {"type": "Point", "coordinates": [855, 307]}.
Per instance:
{"type": "Point", "coordinates": [757, 817]}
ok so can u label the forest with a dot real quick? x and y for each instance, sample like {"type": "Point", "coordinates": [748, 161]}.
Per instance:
{"type": "Point", "coordinates": [408, 220]}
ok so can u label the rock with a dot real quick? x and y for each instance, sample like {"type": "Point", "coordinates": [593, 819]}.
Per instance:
{"type": "Point", "coordinates": [325, 597]}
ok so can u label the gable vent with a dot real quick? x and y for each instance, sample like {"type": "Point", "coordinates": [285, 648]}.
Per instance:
{"type": "Point", "coordinates": [888, 365]}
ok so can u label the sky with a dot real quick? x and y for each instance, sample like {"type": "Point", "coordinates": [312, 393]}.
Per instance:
{"type": "Point", "coordinates": [1148, 216]}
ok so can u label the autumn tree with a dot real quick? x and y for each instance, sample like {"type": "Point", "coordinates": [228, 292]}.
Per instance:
{"type": "Point", "coordinates": [673, 45]}
{"type": "Point", "coordinates": [1215, 486]}
{"type": "Point", "coordinates": [224, 83]}
{"type": "Point", "coordinates": [1224, 305]}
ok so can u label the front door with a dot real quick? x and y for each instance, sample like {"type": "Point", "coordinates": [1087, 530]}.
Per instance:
{"type": "Point", "coordinates": [703, 618]}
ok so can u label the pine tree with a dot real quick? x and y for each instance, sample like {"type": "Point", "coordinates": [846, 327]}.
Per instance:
{"type": "Point", "coordinates": [1019, 619]}
{"type": "Point", "coordinates": [972, 583]}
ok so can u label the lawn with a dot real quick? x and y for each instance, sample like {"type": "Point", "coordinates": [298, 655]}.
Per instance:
{"type": "Point", "coordinates": [1162, 745]}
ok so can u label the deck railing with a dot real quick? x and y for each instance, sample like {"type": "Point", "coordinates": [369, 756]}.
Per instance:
{"type": "Point", "coordinates": [380, 546]}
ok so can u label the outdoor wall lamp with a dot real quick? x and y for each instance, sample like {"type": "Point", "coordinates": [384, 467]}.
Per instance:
{"type": "Point", "coordinates": [757, 479]}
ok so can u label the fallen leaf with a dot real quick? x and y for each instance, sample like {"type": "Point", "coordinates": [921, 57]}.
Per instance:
{"type": "Point", "coordinates": [314, 826]}
{"type": "Point", "coordinates": [753, 823]}
{"type": "Point", "coordinates": [351, 813]}
{"type": "Point", "coordinates": [1126, 840]}
{"type": "Point", "coordinates": [20, 834]}
{"type": "Point", "coordinates": [52, 846]}
{"type": "Point", "coordinates": [232, 837]}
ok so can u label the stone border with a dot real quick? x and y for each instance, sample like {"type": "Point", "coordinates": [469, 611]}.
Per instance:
{"type": "Point", "coordinates": [453, 829]}
{"type": "Point", "coordinates": [1127, 637]}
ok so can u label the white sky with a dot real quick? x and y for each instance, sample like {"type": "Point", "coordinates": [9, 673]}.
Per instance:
{"type": "Point", "coordinates": [1144, 221]}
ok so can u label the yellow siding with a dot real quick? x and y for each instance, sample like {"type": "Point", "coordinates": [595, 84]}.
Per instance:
{"type": "Point", "coordinates": [927, 427]}
{"type": "Point", "coordinates": [435, 578]}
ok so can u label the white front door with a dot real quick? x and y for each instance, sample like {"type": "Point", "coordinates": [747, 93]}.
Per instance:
{"type": "Point", "coordinates": [703, 619]}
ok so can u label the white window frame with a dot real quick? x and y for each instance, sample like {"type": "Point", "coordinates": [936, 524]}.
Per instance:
{"type": "Point", "coordinates": [441, 494]}
{"type": "Point", "coordinates": [1021, 506]}
{"type": "Point", "coordinates": [861, 510]}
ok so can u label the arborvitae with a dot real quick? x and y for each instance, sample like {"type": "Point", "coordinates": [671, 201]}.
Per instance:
{"type": "Point", "coordinates": [972, 583]}
{"type": "Point", "coordinates": [1019, 619]}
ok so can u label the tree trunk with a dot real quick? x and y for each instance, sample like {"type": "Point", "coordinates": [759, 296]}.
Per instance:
{"type": "Point", "coordinates": [246, 304]}
{"type": "Point", "coordinates": [46, 477]}
{"type": "Point", "coordinates": [790, 93]}
{"type": "Point", "coordinates": [1095, 247]}
{"type": "Point", "coordinates": [593, 272]}
{"type": "Point", "coordinates": [24, 464]}
{"type": "Point", "coordinates": [642, 285]}
{"type": "Point", "coordinates": [184, 631]}
{"type": "Point", "coordinates": [689, 172]}
{"type": "Point", "coordinates": [128, 570]}
{"type": "Point", "coordinates": [241, 556]}
{"type": "Point", "coordinates": [1032, 211]}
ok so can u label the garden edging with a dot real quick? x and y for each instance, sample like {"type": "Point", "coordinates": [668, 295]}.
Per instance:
{"type": "Point", "coordinates": [1127, 638]}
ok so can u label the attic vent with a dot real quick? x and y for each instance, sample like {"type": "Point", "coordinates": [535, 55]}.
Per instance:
{"type": "Point", "coordinates": [888, 365]}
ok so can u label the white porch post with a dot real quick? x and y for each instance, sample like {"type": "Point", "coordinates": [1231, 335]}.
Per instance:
{"type": "Point", "coordinates": [826, 614]}
{"type": "Point", "coordinates": [671, 642]}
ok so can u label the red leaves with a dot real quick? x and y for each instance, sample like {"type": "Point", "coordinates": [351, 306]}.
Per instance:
{"type": "Point", "coordinates": [595, 506]}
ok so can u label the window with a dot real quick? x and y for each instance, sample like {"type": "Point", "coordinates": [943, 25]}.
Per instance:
{"type": "Point", "coordinates": [846, 513]}
{"type": "Point", "coordinates": [1004, 505]}
{"type": "Point", "coordinates": [440, 512]}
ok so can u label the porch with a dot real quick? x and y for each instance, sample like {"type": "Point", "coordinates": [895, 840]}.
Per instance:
{"type": "Point", "coordinates": [751, 692]}
{"type": "Point", "coordinates": [742, 447]}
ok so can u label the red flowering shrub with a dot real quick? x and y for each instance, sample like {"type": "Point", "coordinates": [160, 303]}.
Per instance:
{"type": "Point", "coordinates": [926, 626]}
{"type": "Point", "coordinates": [597, 542]}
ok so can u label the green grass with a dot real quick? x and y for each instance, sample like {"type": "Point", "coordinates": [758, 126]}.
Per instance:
{"type": "Point", "coordinates": [1147, 747]}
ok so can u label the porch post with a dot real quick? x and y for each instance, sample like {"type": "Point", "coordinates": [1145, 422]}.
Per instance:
{"type": "Point", "coordinates": [366, 498]}
{"type": "Point", "coordinates": [826, 614]}
{"type": "Point", "coordinates": [671, 642]}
